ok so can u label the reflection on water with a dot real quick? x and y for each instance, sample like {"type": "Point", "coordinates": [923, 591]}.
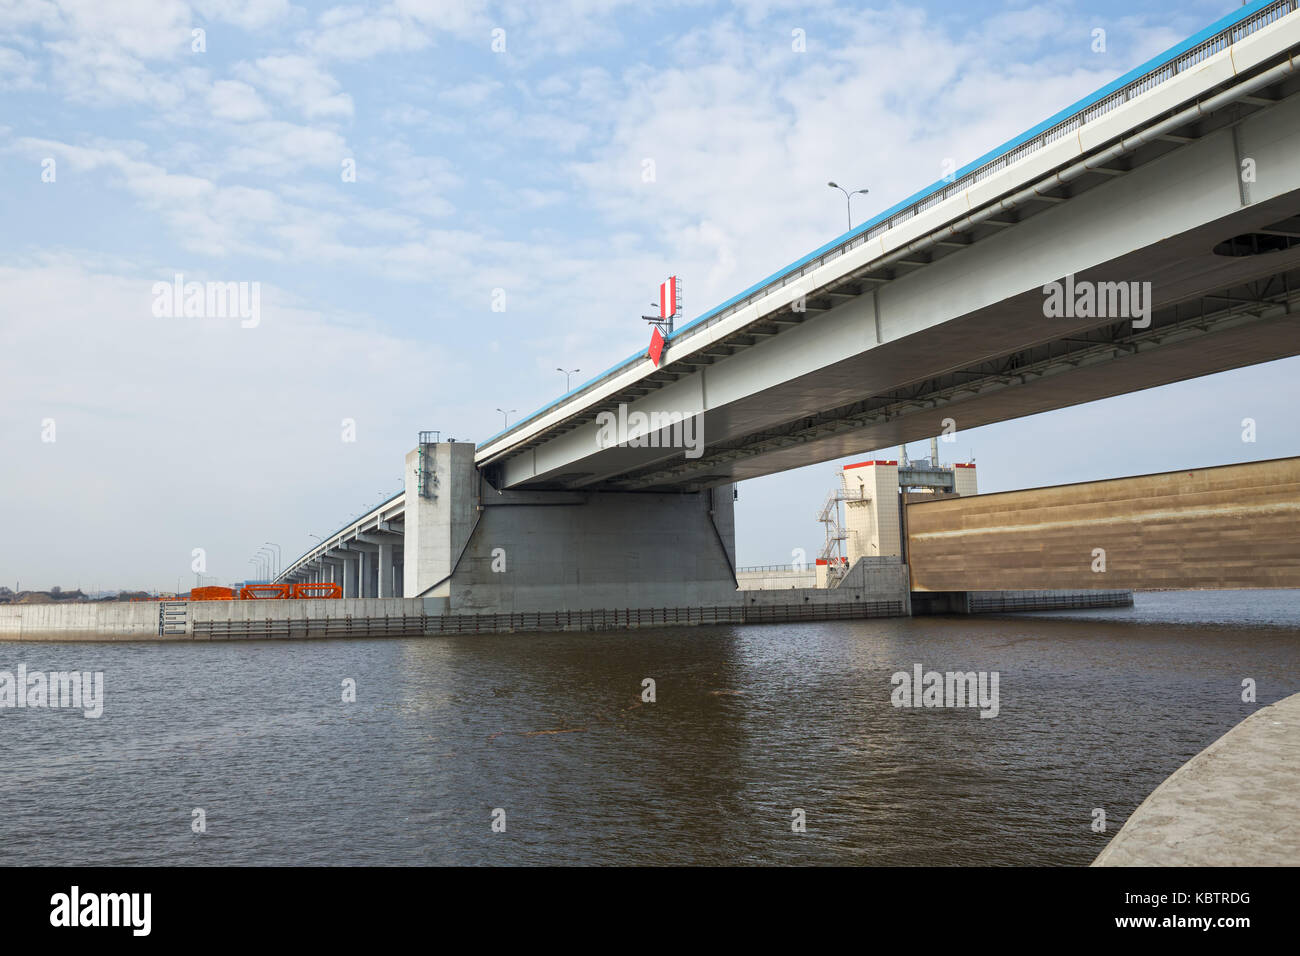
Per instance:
{"type": "Point", "coordinates": [1097, 708]}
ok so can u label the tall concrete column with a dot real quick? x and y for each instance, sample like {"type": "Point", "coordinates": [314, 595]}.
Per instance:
{"type": "Point", "coordinates": [349, 574]}
{"type": "Point", "coordinates": [363, 574]}
{"type": "Point", "coordinates": [386, 588]}
{"type": "Point", "coordinates": [366, 545]}
{"type": "Point", "coordinates": [334, 570]}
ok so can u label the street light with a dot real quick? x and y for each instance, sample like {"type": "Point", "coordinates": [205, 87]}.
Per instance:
{"type": "Point", "coordinates": [263, 557]}
{"type": "Point", "coordinates": [567, 372]}
{"type": "Point", "coordinates": [270, 560]}
{"type": "Point", "coordinates": [506, 415]}
{"type": "Point", "coordinates": [279, 563]}
{"type": "Point", "coordinates": [848, 199]}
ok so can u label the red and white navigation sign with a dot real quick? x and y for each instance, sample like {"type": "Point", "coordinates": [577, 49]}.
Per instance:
{"type": "Point", "coordinates": [668, 298]}
{"type": "Point", "coordinates": [670, 306]}
{"type": "Point", "coordinates": [656, 346]}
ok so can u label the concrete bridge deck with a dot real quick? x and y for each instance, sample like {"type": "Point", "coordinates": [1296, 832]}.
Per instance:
{"type": "Point", "coordinates": [1236, 803]}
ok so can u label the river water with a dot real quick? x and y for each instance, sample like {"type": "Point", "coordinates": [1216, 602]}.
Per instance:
{"type": "Point", "coordinates": [749, 724]}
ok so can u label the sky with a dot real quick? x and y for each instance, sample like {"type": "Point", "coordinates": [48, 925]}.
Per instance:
{"type": "Point", "coordinates": [441, 204]}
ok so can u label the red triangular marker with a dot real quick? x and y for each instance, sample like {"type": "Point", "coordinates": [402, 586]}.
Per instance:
{"type": "Point", "coordinates": [656, 346]}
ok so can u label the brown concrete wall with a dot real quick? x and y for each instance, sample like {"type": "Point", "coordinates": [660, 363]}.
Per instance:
{"type": "Point", "coordinates": [1234, 526]}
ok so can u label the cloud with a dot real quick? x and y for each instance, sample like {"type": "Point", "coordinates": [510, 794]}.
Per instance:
{"type": "Point", "coordinates": [155, 439]}
{"type": "Point", "coordinates": [17, 72]}
{"type": "Point", "coordinates": [300, 82]}
{"type": "Point", "coordinates": [246, 14]}
{"type": "Point", "coordinates": [101, 73]}
{"type": "Point", "coordinates": [147, 29]}
{"type": "Point", "coordinates": [355, 33]}
{"type": "Point", "coordinates": [275, 147]}
{"type": "Point", "coordinates": [239, 102]}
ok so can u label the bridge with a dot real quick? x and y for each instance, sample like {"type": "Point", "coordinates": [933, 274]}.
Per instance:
{"type": "Point", "coordinates": [1148, 234]}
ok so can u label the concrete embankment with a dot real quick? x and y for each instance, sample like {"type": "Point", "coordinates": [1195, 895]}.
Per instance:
{"type": "Point", "coordinates": [392, 617]}
{"type": "Point", "coordinates": [1236, 803]}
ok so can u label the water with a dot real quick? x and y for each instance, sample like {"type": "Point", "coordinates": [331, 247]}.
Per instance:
{"type": "Point", "coordinates": [1096, 708]}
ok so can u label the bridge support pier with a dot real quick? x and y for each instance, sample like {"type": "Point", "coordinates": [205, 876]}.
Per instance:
{"type": "Point", "coordinates": [490, 551]}
{"type": "Point", "coordinates": [351, 558]}
{"type": "Point", "coordinates": [386, 570]}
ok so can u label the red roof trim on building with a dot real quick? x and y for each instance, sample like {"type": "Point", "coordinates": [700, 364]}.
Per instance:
{"type": "Point", "coordinates": [864, 464]}
{"type": "Point", "coordinates": [963, 464]}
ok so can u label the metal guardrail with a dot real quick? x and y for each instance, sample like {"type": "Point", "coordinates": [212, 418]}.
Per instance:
{"type": "Point", "coordinates": [1085, 112]}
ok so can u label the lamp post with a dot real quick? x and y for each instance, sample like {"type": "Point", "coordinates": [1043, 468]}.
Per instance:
{"type": "Point", "coordinates": [268, 556]}
{"type": "Point", "coordinates": [567, 372]}
{"type": "Point", "coordinates": [279, 564]}
{"type": "Point", "coordinates": [848, 199]}
{"type": "Point", "coordinates": [505, 415]}
{"type": "Point", "coordinates": [261, 556]}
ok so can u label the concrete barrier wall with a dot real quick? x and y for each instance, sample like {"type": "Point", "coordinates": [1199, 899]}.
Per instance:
{"type": "Point", "coordinates": [315, 609]}
{"type": "Point", "coordinates": [773, 579]}
{"type": "Point", "coordinates": [818, 596]}
{"type": "Point", "coordinates": [136, 621]}
{"type": "Point", "coordinates": [1234, 526]}
{"type": "Point", "coordinates": [876, 575]}
{"type": "Point", "coordinates": [409, 617]}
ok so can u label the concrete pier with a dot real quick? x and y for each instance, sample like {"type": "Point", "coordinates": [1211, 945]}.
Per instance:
{"type": "Point", "coordinates": [490, 551]}
{"type": "Point", "coordinates": [1236, 803]}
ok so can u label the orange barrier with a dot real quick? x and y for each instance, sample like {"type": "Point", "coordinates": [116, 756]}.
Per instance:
{"type": "Point", "coordinates": [264, 592]}
{"type": "Point", "coordinates": [319, 589]}
{"type": "Point", "coordinates": [212, 594]}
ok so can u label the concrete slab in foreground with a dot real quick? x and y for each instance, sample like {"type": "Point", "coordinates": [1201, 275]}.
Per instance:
{"type": "Point", "coordinates": [1236, 803]}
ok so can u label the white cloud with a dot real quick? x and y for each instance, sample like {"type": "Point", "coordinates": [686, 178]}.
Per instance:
{"type": "Point", "coordinates": [193, 395]}
{"type": "Point", "coordinates": [106, 74]}
{"type": "Point", "coordinates": [239, 102]}
{"type": "Point", "coordinates": [279, 148]}
{"type": "Point", "coordinates": [148, 29]}
{"type": "Point", "coordinates": [355, 33]}
{"type": "Point", "coordinates": [246, 14]}
{"type": "Point", "coordinates": [300, 82]}
{"type": "Point", "coordinates": [17, 72]}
